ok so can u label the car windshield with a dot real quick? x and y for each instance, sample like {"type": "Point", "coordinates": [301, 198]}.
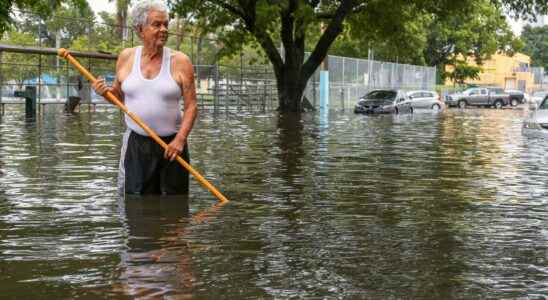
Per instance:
{"type": "Point", "coordinates": [381, 95]}
{"type": "Point", "coordinates": [544, 104]}
{"type": "Point", "coordinates": [540, 94]}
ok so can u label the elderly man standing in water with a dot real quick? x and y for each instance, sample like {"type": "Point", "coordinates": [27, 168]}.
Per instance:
{"type": "Point", "coordinates": [150, 80]}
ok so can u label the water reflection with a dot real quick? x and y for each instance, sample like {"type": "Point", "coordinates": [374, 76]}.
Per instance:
{"type": "Point", "coordinates": [422, 206]}
{"type": "Point", "coordinates": [157, 260]}
{"type": "Point", "coordinates": [291, 152]}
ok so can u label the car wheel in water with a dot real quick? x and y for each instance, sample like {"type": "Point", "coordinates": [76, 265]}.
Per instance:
{"type": "Point", "coordinates": [514, 102]}
{"type": "Point", "coordinates": [498, 104]}
{"type": "Point", "coordinates": [462, 104]}
{"type": "Point", "coordinates": [436, 107]}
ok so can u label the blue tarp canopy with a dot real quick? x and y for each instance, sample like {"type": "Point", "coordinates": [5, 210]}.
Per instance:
{"type": "Point", "coordinates": [50, 79]}
{"type": "Point", "coordinates": [45, 78]}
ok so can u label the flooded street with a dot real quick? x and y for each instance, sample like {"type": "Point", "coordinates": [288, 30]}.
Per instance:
{"type": "Point", "coordinates": [425, 206]}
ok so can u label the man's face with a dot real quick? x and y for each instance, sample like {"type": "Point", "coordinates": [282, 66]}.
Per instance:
{"type": "Point", "coordinates": [155, 29]}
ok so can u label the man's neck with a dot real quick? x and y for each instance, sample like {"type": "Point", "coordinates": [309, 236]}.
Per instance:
{"type": "Point", "coordinates": [150, 52]}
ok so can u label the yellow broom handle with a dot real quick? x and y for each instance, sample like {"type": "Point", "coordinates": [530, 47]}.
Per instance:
{"type": "Point", "coordinates": [64, 53]}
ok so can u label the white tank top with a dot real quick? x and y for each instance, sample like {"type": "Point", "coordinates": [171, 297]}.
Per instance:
{"type": "Point", "coordinates": [155, 101]}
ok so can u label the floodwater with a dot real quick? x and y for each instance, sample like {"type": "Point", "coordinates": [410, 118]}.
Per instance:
{"type": "Point", "coordinates": [430, 206]}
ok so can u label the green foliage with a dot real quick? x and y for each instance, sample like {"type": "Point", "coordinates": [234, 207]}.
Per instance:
{"type": "Point", "coordinates": [420, 31]}
{"type": "Point", "coordinates": [43, 8]}
{"type": "Point", "coordinates": [463, 71]}
{"type": "Point", "coordinates": [11, 66]}
{"type": "Point", "coordinates": [478, 31]}
{"type": "Point", "coordinates": [536, 44]}
{"type": "Point", "coordinates": [525, 9]}
{"type": "Point", "coordinates": [393, 35]}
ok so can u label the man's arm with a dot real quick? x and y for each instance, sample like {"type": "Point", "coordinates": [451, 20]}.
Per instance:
{"type": "Point", "coordinates": [100, 86]}
{"type": "Point", "coordinates": [185, 78]}
{"type": "Point", "coordinates": [189, 98]}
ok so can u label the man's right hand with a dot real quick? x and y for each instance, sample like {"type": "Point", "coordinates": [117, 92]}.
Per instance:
{"type": "Point", "coordinates": [101, 87]}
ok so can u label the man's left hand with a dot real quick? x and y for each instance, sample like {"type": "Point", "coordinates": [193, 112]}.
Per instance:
{"type": "Point", "coordinates": [175, 148]}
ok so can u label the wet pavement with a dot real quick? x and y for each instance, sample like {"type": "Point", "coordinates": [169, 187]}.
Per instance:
{"type": "Point", "coordinates": [449, 205]}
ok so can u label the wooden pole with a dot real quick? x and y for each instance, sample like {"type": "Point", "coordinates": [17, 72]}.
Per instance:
{"type": "Point", "coordinates": [64, 53]}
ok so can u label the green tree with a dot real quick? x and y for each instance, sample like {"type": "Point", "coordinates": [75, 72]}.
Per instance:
{"type": "Point", "coordinates": [289, 22]}
{"type": "Point", "coordinates": [405, 47]}
{"type": "Point", "coordinates": [536, 44]}
{"type": "Point", "coordinates": [477, 31]}
{"type": "Point", "coordinates": [122, 7]}
{"type": "Point", "coordinates": [41, 7]}
{"type": "Point", "coordinates": [67, 23]}
{"type": "Point", "coordinates": [21, 72]}
{"type": "Point", "coordinates": [463, 71]}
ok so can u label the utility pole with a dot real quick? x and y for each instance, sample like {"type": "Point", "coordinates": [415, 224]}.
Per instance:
{"type": "Point", "coordinates": [324, 78]}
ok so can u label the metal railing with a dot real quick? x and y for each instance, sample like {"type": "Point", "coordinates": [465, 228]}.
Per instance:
{"type": "Point", "coordinates": [351, 78]}
{"type": "Point", "coordinates": [232, 87]}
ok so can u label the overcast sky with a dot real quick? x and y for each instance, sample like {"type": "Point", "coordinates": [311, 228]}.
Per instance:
{"type": "Point", "coordinates": [102, 5]}
{"type": "Point", "coordinates": [516, 25]}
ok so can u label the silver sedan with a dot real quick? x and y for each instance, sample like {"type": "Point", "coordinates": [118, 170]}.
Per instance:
{"type": "Point", "coordinates": [425, 100]}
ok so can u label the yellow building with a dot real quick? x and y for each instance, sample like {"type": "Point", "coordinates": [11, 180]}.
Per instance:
{"type": "Point", "coordinates": [508, 72]}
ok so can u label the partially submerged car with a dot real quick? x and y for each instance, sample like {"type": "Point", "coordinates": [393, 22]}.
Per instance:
{"type": "Point", "coordinates": [538, 116]}
{"type": "Point", "coordinates": [484, 96]}
{"type": "Point", "coordinates": [384, 102]}
{"type": "Point", "coordinates": [537, 97]}
{"type": "Point", "coordinates": [423, 99]}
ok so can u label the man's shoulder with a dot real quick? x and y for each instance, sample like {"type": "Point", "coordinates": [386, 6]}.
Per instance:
{"type": "Point", "coordinates": [127, 52]}
{"type": "Point", "coordinates": [179, 57]}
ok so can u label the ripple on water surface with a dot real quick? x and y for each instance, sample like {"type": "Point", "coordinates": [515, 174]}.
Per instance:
{"type": "Point", "coordinates": [448, 205]}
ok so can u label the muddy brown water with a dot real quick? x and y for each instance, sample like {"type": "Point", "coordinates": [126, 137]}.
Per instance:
{"type": "Point", "coordinates": [449, 205]}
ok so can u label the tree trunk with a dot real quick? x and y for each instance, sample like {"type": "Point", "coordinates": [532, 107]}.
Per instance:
{"type": "Point", "coordinates": [290, 88]}
{"type": "Point", "coordinates": [292, 78]}
{"type": "Point", "coordinates": [440, 73]}
{"type": "Point", "coordinates": [121, 18]}
{"type": "Point", "coordinates": [291, 73]}
{"type": "Point", "coordinates": [197, 60]}
{"type": "Point", "coordinates": [179, 38]}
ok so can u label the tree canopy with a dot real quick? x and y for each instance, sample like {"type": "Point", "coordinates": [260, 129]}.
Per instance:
{"type": "Point", "coordinates": [41, 7]}
{"type": "Point", "coordinates": [478, 31]}
{"type": "Point", "coordinates": [536, 44]}
{"type": "Point", "coordinates": [432, 32]}
{"type": "Point", "coordinates": [294, 25]}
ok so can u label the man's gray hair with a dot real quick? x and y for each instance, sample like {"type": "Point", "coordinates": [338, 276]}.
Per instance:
{"type": "Point", "coordinates": [140, 11]}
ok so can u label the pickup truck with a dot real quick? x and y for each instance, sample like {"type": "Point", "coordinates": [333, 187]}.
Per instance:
{"type": "Point", "coordinates": [484, 96]}
{"type": "Point", "coordinates": [516, 97]}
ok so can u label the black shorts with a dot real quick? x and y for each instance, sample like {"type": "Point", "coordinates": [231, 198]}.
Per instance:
{"type": "Point", "coordinates": [144, 170]}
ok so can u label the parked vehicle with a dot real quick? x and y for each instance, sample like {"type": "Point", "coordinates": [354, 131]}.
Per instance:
{"type": "Point", "coordinates": [538, 117]}
{"type": "Point", "coordinates": [425, 100]}
{"type": "Point", "coordinates": [516, 97]}
{"type": "Point", "coordinates": [537, 97]}
{"type": "Point", "coordinates": [384, 101]}
{"type": "Point", "coordinates": [483, 96]}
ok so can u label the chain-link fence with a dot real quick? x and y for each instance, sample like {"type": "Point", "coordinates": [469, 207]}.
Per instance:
{"type": "Point", "coordinates": [540, 78]}
{"type": "Point", "coordinates": [235, 83]}
{"type": "Point", "coordinates": [226, 88]}
{"type": "Point", "coordinates": [351, 78]}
